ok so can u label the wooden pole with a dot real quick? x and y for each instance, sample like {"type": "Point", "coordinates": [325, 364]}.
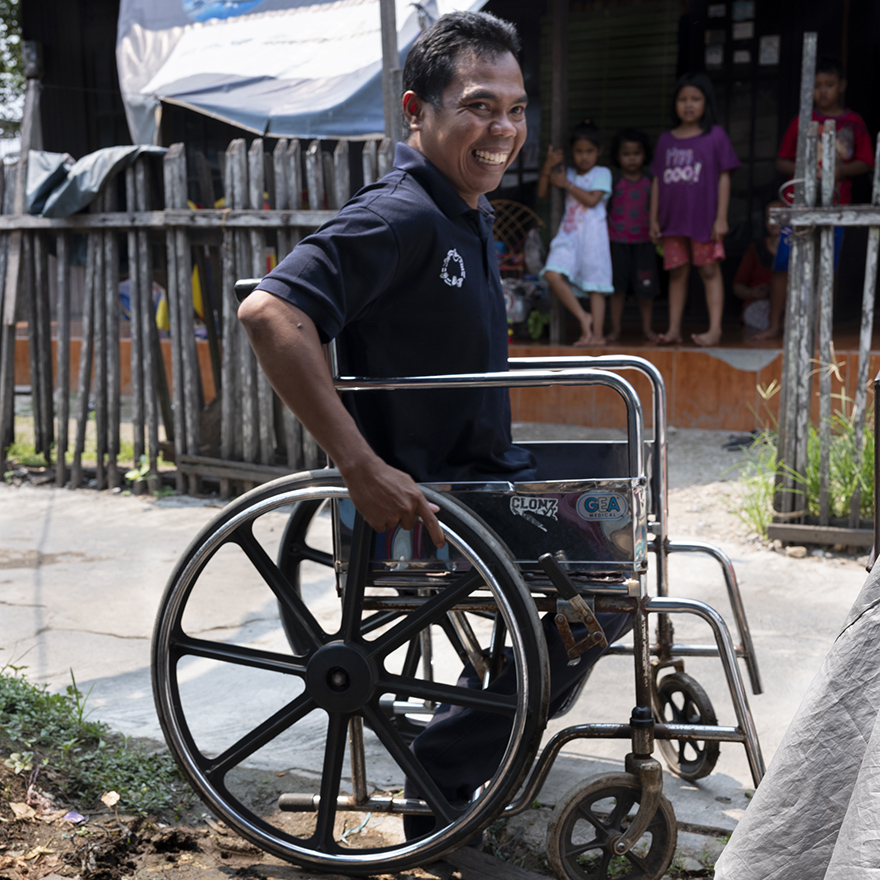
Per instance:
{"type": "Point", "coordinates": [558, 120]}
{"type": "Point", "coordinates": [63, 357]}
{"type": "Point", "coordinates": [168, 168]}
{"type": "Point", "coordinates": [826, 311]}
{"type": "Point", "coordinates": [230, 389]}
{"type": "Point", "coordinates": [392, 75]}
{"type": "Point", "coordinates": [137, 336]}
{"type": "Point", "coordinates": [265, 394]}
{"type": "Point", "coordinates": [869, 292]}
{"type": "Point", "coordinates": [29, 139]}
{"type": "Point", "coordinates": [792, 363]}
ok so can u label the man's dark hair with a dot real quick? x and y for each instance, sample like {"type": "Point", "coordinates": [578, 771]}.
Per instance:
{"type": "Point", "coordinates": [432, 62]}
{"type": "Point", "coordinates": [830, 64]}
{"type": "Point", "coordinates": [630, 136]}
{"type": "Point", "coordinates": [699, 80]}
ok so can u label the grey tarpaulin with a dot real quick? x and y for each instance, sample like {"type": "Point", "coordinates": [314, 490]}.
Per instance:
{"type": "Point", "coordinates": [280, 68]}
{"type": "Point", "coordinates": [58, 187]}
{"type": "Point", "coordinates": [816, 814]}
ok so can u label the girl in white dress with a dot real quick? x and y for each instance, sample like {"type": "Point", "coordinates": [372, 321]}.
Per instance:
{"type": "Point", "coordinates": [579, 262]}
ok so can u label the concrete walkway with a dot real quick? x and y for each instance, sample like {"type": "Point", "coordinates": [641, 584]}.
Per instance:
{"type": "Point", "coordinates": [82, 573]}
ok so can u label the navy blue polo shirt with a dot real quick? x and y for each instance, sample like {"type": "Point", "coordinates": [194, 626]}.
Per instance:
{"type": "Point", "coordinates": [405, 278]}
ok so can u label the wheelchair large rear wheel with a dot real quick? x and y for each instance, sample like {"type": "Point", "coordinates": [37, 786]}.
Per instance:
{"type": "Point", "coordinates": [282, 734]}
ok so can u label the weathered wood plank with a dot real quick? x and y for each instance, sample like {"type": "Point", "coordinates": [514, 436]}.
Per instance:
{"type": "Point", "coordinates": [315, 176]}
{"type": "Point", "coordinates": [85, 366]}
{"type": "Point", "coordinates": [155, 386]}
{"type": "Point", "coordinates": [114, 379]}
{"type": "Point", "coordinates": [826, 296]}
{"type": "Point", "coordinates": [230, 434]}
{"type": "Point", "coordinates": [802, 533]}
{"type": "Point", "coordinates": [865, 333]}
{"type": "Point", "coordinates": [63, 357]}
{"type": "Point", "coordinates": [265, 394]}
{"type": "Point", "coordinates": [137, 336]}
{"type": "Point", "coordinates": [202, 219]}
{"type": "Point", "coordinates": [180, 428]}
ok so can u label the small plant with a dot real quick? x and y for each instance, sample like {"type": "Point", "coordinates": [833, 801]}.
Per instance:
{"type": "Point", "coordinates": [54, 729]}
{"type": "Point", "coordinates": [849, 469]}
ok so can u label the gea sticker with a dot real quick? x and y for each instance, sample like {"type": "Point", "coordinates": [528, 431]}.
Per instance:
{"type": "Point", "coordinates": [602, 505]}
{"type": "Point", "coordinates": [532, 504]}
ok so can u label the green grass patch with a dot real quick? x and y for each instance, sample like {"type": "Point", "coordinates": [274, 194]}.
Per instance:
{"type": "Point", "coordinates": [38, 728]}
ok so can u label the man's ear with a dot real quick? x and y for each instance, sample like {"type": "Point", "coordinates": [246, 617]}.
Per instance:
{"type": "Point", "coordinates": [412, 109]}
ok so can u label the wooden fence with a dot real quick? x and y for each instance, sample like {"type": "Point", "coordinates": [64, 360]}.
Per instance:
{"type": "Point", "coordinates": [244, 434]}
{"type": "Point", "coordinates": [809, 305]}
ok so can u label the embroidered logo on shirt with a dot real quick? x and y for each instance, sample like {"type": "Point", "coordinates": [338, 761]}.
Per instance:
{"type": "Point", "coordinates": [453, 272]}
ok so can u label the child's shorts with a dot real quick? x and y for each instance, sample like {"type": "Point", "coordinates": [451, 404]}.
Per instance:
{"type": "Point", "coordinates": [783, 250]}
{"type": "Point", "coordinates": [679, 250]}
{"type": "Point", "coordinates": [634, 269]}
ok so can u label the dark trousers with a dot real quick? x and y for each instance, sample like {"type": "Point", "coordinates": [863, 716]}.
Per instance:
{"type": "Point", "coordinates": [461, 748]}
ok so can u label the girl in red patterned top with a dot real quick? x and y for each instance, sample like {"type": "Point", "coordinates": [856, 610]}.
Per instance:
{"type": "Point", "coordinates": [633, 256]}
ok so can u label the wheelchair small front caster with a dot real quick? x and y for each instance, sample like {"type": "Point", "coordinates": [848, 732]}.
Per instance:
{"type": "Point", "coordinates": [592, 817]}
{"type": "Point", "coordinates": [681, 700]}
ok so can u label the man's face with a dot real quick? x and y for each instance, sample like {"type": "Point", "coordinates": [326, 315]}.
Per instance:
{"type": "Point", "coordinates": [828, 91]}
{"type": "Point", "coordinates": [479, 127]}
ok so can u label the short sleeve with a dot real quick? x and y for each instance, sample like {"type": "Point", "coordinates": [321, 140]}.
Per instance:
{"type": "Point", "coordinates": [788, 147]}
{"type": "Point", "coordinates": [727, 159]}
{"type": "Point", "coordinates": [335, 274]}
{"type": "Point", "coordinates": [862, 142]}
{"type": "Point", "coordinates": [601, 180]}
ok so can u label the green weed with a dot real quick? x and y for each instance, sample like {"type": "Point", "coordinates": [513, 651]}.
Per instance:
{"type": "Point", "coordinates": [849, 469]}
{"type": "Point", "coordinates": [56, 730]}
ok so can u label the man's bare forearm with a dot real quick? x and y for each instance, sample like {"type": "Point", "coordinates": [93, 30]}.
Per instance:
{"type": "Point", "coordinates": [286, 343]}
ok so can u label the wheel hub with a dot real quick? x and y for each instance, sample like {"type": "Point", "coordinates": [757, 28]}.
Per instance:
{"type": "Point", "coordinates": [340, 677]}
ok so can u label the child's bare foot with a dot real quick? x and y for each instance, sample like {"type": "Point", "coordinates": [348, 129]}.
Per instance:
{"type": "Point", "coordinates": [584, 340]}
{"type": "Point", "coordinates": [668, 339]}
{"type": "Point", "coordinates": [613, 336]}
{"type": "Point", "coordinates": [599, 341]}
{"type": "Point", "coordinates": [706, 340]}
{"type": "Point", "coordinates": [769, 333]}
{"type": "Point", "coordinates": [651, 337]}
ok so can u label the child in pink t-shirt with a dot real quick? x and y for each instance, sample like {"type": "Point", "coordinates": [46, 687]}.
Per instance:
{"type": "Point", "coordinates": [689, 201]}
{"type": "Point", "coordinates": [633, 256]}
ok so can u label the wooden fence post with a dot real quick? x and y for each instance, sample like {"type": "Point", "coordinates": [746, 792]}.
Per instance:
{"type": "Point", "coordinates": [826, 298]}
{"type": "Point", "coordinates": [869, 291]}
{"type": "Point", "coordinates": [799, 337]}
{"type": "Point", "coordinates": [63, 357]}
{"type": "Point", "coordinates": [265, 394]}
{"type": "Point", "coordinates": [180, 427]}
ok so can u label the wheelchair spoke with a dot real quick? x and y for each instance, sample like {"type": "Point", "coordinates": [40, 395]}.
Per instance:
{"type": "Point", "coordinates": [334, 755]}
{"type": "Point", "coordinates": [280, 586]}
{"type": "Point", "coordinates": [356, 579]}
{"type": "Point", "coordinates": [238, 655]}
{"type": "Point", "coordinates": [572, 852]}
{"type": "Point", "coordinates": [410, 765]}
{"type": "Point", "coordinates": [431, 611]}
{"type": "Point", "coordinates": [253, 741]}
{"type": "Point", "coordinates": [486, 701]}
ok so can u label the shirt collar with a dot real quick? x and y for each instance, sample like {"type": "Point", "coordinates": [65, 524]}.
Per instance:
{"type": "Point", "coordinates": [435, 183]}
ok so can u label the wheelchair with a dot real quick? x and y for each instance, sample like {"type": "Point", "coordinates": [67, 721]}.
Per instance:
{"type": "Point", "coordinates": [294, 726]}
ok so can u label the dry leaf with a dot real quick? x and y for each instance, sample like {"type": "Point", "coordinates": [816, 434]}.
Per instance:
{"type": "Point", "coordinates": [38, 851]}
{"type": "Point", "coordinates": [22, 811]}
{"type": "Point", "coordinates": [111, 798]}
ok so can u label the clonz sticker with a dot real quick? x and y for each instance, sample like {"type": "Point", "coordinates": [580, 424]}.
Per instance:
{"type": "Point", "coordinates": [534, 505]}
{"type": "Point", "coordinates": [602, 505]}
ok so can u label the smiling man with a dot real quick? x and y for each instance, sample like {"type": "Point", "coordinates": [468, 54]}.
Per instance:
{"type": "Point", "coordinates": [405, 279]}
